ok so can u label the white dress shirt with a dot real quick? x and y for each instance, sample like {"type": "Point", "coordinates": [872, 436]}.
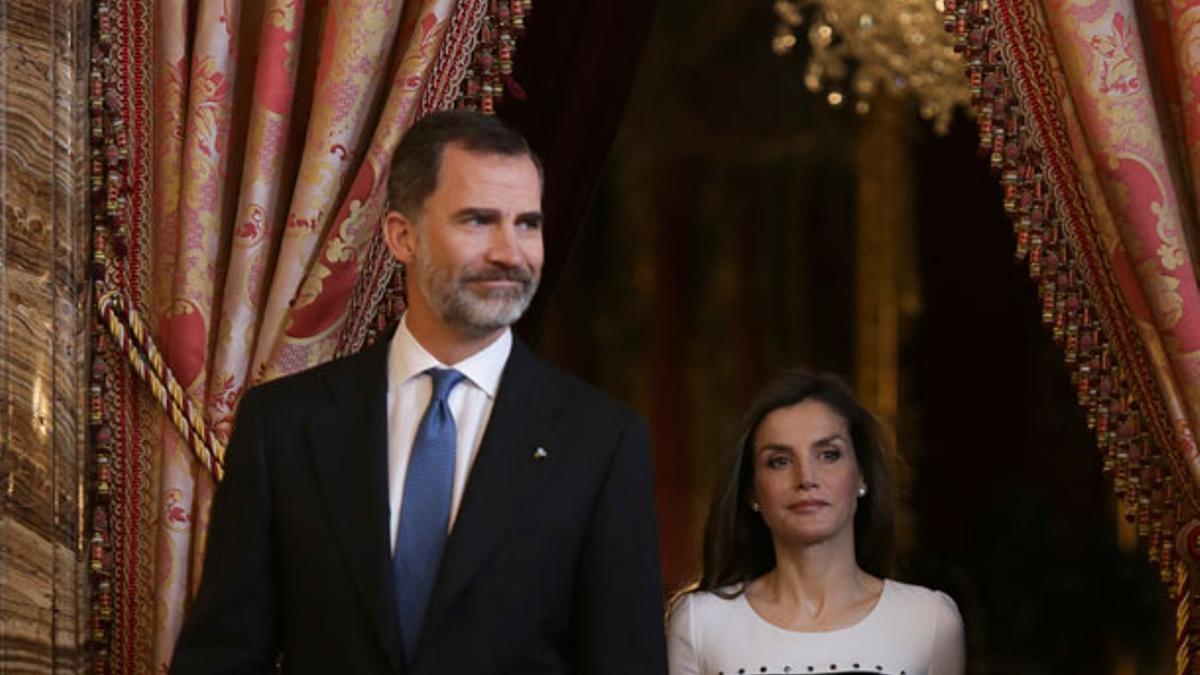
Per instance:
{"type": "Point", "coordinates": [409, 391]}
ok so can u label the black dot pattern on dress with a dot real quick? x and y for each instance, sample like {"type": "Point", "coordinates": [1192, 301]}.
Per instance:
{"type": "Point", "coordinates": [854, 668]}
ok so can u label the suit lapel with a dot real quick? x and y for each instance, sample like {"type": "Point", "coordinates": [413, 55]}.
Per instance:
{"type": "Point", "coordinates": [349, 448]}
{"type": "Point", "coordinates": [505, 473]}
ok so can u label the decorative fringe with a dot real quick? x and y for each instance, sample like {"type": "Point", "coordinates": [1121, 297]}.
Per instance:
{"type": "Point", "coordinates": [371, 303]}
{"type": "Point", "coordinates": [455, 56]}
{"type": "Point", "coordinates": [1020, 135]}
{"type": "Point", "coordinates": [109, 160]}
{"type": "Point", "coordinates": [492, 67]}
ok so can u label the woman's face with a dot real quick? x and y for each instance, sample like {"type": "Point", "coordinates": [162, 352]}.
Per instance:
{"type": "Point", "coordinates": [806, 477]}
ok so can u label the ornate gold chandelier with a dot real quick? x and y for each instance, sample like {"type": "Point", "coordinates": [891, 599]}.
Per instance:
{"type": "Point", "coordinates": [863, 47]}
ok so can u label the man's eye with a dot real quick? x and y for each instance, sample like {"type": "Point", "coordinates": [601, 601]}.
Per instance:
{"type": "Point", "coordinates": [529, 225]}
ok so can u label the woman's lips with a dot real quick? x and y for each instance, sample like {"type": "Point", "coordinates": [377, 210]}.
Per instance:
{"type": "Point", "coordinates": [807, 505]}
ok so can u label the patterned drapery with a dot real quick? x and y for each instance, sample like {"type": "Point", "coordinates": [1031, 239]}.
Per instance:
{"type": "Point", "coordinates": [1088, 111]}
{"type": "Point", "coordinates": [241, 151]}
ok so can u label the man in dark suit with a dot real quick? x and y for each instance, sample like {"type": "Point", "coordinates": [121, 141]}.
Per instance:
{"type": "Point", "coordinates": [444, 501]}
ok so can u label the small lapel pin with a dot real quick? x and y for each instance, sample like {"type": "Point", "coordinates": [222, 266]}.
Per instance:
{"type": "Point", "coordinates": [540, 453]}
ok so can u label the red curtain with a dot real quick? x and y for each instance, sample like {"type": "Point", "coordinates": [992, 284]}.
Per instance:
{"type": "Point", "coordinates": [1088, 113]}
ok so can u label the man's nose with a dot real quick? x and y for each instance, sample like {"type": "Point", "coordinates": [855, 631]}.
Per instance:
{"type": "Point", "coordinates": [504, 247]}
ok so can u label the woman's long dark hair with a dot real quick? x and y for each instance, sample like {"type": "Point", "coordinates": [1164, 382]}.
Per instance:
{"type": "Point", "coordinates": [737, 544]}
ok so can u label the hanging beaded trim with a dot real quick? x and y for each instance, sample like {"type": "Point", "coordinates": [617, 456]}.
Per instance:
{"type": "Point", "coordinates": [118, 466]}
{"type": "Point", "coordinates": [454, 57]}
{"type": "Point", "coordinates": [105, 391]}
{"type": "Point", "coordinates": [491, 68]}
{"type": "Point", "coordinates": [1014, 97]}
{"type": "Point", "coordinates": [473, 70]}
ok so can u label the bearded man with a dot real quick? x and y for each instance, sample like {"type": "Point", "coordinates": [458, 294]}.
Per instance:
{"type": "Point", "coordinates": [444, 501]}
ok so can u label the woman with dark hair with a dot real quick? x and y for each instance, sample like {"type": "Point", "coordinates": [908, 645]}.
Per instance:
{"type": "Point", "coordinates": [797, 550]}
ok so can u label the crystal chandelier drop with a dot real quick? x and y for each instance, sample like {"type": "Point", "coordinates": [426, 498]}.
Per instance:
{"type": "Point", "coordinates": [863, 47]}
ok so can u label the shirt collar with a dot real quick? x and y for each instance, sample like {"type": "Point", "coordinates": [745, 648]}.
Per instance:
{"type": "Point", "coordinates": [408, 359]}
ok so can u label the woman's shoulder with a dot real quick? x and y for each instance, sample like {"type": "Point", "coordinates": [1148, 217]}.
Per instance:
{"type": "Point", "coordinates": [718, 597]}
{"type": "Point", "coordinates": [938, 614]}
{"type": "Point", "coordinates": [915, 598]}
{"type": "Point", "coordinates": [701, 603]}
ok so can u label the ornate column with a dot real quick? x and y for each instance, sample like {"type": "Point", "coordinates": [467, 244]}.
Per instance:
{"type": "Point", "coordinates": [43, 312]}
{"type": "Point", "coordinates": [885, 276]}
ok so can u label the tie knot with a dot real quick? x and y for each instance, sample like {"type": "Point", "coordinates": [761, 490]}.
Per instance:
{"type": "Point", "coordinates": [444, 380]}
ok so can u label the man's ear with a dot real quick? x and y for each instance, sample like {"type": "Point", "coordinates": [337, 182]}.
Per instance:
{"type": "Point", "coordinates": [400, 236]}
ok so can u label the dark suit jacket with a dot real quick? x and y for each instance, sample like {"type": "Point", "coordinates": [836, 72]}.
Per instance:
{"type": "Point", "coordinates": [551, 567]}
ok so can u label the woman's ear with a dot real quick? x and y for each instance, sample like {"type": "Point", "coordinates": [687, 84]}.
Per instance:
{"type": "Point", "coordinates": [752, 502]}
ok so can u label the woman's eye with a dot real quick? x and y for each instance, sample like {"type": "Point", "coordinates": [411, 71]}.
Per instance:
{"type": "Point", "coordinates": [831, 455]}
{"type": "Point", "coordinates": [777, 461]}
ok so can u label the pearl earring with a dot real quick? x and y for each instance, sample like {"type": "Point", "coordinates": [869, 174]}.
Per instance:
{"type": "Point", "coordinates": [862, 491]}
{"type": "Point", "coordinates": [755, 507]}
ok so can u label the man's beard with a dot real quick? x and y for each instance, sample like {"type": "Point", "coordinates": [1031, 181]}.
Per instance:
{"type": "Point", "coordinates": [452, 299]}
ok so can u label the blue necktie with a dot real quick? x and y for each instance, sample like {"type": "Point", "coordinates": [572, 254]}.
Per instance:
{"type": "Point", "coordinates": [425, 510]}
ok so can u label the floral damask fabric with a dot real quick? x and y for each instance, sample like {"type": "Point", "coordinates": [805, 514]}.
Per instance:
{"type": "Point", "coordinates": [1124, 117]}
{"type": "Point", "coordinates": [274, 124]}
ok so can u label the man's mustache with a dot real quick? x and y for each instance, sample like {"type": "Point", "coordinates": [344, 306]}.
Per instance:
{"type": "Point", "coordinates": [500, 273]}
